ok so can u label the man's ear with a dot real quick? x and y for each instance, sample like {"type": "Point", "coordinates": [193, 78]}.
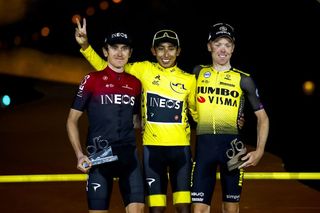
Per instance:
{"type": "Point", "coordinates": [105, 52]}
{"type": "Point", "coordinates": [233, 48]}
{"type": "Point", "coordinates": [178, 51]}
{"type": "Point", "coordinates": [209, 47]}
{"type": "Point", "coordinates": [153, 51]}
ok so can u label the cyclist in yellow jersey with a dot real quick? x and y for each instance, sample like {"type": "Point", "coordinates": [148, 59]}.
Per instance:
{"type": "Point", "coordinates": [221, 92]}
{"type": "Point", "coordinates": [168, 96]}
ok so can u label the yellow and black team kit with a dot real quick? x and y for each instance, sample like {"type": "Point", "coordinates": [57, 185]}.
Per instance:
{"type": "Point", "coordinates": [220, 100]}
{"type": "Point", "coordinates": [168, 95]}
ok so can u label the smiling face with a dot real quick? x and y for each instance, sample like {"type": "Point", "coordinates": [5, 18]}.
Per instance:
{"type": "Point", "coordinates": [221, 50]}
{"type": "Point", "coordinates": [118, 55]}
{"type": "Point", "coordinates": [166, 54]}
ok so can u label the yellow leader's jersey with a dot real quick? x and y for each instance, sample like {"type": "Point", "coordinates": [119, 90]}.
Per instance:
{"type": "Point", "coordinates": [168, 95]}
{"type": "Point", "coordinates": [220, 99]}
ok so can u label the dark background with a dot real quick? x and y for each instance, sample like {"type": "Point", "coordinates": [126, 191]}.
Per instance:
{"type": "Point", "coordinates": [277, 42]}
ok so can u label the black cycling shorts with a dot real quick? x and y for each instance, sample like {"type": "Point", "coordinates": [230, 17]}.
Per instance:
{"type": "Point", "coordinates": [163, 163]}
{"type": "Point", "coordinates": [210, 155]}
{"type": "Point", "coordinates": [101, 177]}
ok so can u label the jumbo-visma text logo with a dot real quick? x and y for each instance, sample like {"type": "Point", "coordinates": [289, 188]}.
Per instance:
{"type": "Point", "coordinates": [219, 96]}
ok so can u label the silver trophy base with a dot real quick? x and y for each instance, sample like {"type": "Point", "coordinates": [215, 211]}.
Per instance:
{"type": "Point", "coordinates": [236, 161]}
{"type": "Point", "coordinates": [103, 160]}
{"type": "Point", "coordinates": [103, 156]}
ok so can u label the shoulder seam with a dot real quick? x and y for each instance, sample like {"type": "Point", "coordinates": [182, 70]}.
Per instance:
{"type": "Point", "coordinates": [239, 71]}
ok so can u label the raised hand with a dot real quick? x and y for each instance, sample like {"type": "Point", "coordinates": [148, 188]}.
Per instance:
{"type": "Point", "coordinates": [81, 34]}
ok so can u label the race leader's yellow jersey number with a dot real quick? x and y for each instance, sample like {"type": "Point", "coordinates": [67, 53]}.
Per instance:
{"type": "Point", "coordinates": [168, 95]}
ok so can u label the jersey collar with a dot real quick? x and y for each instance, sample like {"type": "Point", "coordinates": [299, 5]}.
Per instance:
{"type": "Point", "coordinates": [170, 69]}
{"type": "Point", "coordinates": [112, 74]}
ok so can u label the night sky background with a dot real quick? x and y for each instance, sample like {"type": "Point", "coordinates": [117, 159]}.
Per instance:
{"type": "Point", "coordinates": [277, 42]}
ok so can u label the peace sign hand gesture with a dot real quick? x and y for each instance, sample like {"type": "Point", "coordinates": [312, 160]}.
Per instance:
{"type": "Point", "coordinates": [81, 34]}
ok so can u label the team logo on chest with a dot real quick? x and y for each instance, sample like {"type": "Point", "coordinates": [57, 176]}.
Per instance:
{"type": "Point", "coordinates": [127, 87]}
{"type": "Point", "coordinates": [117, 99]}
{"type": "Point", "coordinates": [227, 77]}
{"type": "Point", "coordinates": [216, 95]}
{"type": "Point", "coordinates": [178, 87]}
{"type": "Point", "coordinates": [207, 74]}
{"type": "Point", "coordinates": [161, 109]}
{"type": "Point", "coordinates": [156, 80]}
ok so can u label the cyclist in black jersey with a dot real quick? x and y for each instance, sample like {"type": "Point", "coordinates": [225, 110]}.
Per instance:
{"type": "Point", "coordinates": [221, 91]}
{"type": "Point", "coordinates": [111, 99]}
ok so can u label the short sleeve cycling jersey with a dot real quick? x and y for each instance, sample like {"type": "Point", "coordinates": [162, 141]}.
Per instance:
{"type": "Point", "coordinates": [168, 95]}
{"type": "Point", "coordinates": [110, 100]}
{"type": "Point", "coordinates": [220, 99]}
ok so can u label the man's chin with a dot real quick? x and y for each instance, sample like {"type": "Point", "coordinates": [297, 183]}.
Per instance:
{"type": "Point", "coordinates": [167, 65]}
{"type": "Point", "coordinates": [119, 65]}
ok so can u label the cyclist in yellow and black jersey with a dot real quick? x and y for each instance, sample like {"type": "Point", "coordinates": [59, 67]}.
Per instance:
{"type": "Point", "coordinates": [168, 96]}
{"type": "Point", "coordinates": [221, 92]}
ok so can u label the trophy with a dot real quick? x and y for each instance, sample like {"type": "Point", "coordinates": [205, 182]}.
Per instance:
{"type": "Point", "coordinates": [100, 152]}
{"type": "Point", "coordinates": [235, 153]}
